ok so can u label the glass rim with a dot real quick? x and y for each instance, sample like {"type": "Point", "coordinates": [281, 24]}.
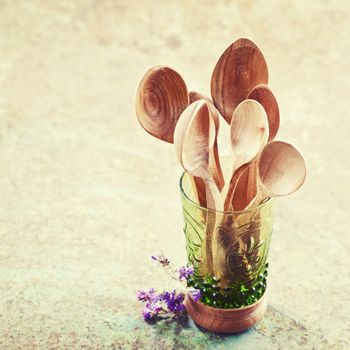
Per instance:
{"type": "Point", "coordinates": [235, 212]}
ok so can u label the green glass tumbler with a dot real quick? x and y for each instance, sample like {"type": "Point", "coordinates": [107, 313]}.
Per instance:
{"type": "Point", "coordinates": [228, 250]}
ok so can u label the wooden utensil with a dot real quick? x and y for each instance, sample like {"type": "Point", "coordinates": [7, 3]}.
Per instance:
{"type": "Point", "coordinates": [246, 188]}
{"type": "Point", "coordinates": [282, 171]}
{"type": "Point", "coordinates": [161, 98]}
{"type": "Point", "coordinates": [263, 94]}
{"type": "Point", "coordinates": [249, 133]}
{"type": "Point", "coordinates": [194, 139]}
{"type": "Point", "coordinates": [240, 68]}
{"type": "Point", "coordinates": [179, 134]}
{"type": "Point", "coordinates": [214, 160]}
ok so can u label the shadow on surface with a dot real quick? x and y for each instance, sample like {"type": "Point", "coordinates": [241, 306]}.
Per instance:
{"type": "Point", "coordinates": [276, 330]}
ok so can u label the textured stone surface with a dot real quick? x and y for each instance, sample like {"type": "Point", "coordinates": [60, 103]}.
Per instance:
{"type": "Point", "coordinates": [87, 196]}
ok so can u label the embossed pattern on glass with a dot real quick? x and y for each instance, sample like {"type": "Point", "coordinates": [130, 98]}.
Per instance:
{"type": "Point", "coordinates": [228, 250]}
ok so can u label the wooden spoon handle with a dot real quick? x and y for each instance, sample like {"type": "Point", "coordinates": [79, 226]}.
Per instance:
{"type": "Point", "coordinates": [199, 188]}
{"type": "Point", "coordinates": [261, 195]}
{"type": "Point", "coordinates": [232, 185]}
{"type": "Point", "coordinates": [215, 202]}
{"type": "Point", "coordinates": [246, 188]}
{"type": "Point", "coordinates": [213, 195]}
{"type": "Point", "coordinates": [215, 167]}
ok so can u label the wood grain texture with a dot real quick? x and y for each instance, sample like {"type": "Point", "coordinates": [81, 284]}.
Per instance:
{"type": "Point", "coordinates": [226, 320]}
{"type": "Point", "coordinates": [195, 96]}
{"type": "Point", "coordinates": [246, 188]}
{"type": "Point", "coordinates": [199, 189]}
{"type": "Point", "coordinates": [179, 135]}
{"type": "Point", "coordinates": [194, 137]}
{"type": "Point", "coordinates": [249, 133]}
{"type": "Point", "coordinates": [161, 98]}
{"type": "Point", "coordinates": [263, 94]}
{"type": "Point", "coordinates": [282, 169]}
{"type": "Point", "coordinates": [214, 159]}
{"type": "Point", "coordinates": [239, 69]}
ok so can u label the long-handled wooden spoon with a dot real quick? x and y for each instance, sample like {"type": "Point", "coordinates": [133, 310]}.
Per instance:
{"type": "Point", "coordinates": [214, 160]}
{"type": "Point", "coordinates": [247, 184]}
{"type": "Point", "coordinates": [249, 133]}
{"type": "Point", "coordinates": [239, 69]}
{"type": "Point", "coordinates": [194, 139]}
{"type": "Point", "coordinates": [282, 171]}
{"type": "Point", "coordinates": [161, 98]}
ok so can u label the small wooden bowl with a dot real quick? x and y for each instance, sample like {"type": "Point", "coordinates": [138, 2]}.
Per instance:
{"type": "Point", "coordinates": [226, 320]}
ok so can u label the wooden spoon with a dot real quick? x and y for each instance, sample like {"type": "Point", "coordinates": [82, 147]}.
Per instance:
{"type": "Point", "coordinates": [249, 133]}
{"type": "Point", "coordinates": [240, 68]}
{"type": "Point", "coordinates": [161, 98]}
{"type": "Point", "coordinates": [246, 188]}
{"type": "Point", "coordinates": [194, 139]}
{"type": "Point", "coordinates": [263, 94]}
{"type": "Point", "coordinates": [214, 160]}
{"type": "Point", "coordinates": [282, 171]}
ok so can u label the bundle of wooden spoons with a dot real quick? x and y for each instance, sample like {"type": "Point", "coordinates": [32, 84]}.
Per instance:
{"type": "Point", "coordinates": [228, 228]}
{"type": "Point", "coordinates": [261, 167]}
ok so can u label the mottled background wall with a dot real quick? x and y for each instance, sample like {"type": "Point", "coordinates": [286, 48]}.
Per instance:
{"type": "Point", "coordinates": [86, 196]}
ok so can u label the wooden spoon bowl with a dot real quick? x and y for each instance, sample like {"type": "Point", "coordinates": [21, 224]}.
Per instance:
{"type": "Point", "coordinates": [263, 94]}
{"type": "Point", "coordinates": [239, 69]}
{"type": "Point", "coordinates": [161, 98]}
{"type": "Point", "coordinates": [214, 158]}
{"type": "Point", "coordinates": [249, 132]}
{"type": "Point", "coordinates": [194, 139]}
{"type": "Point", "coordinates": [282, 169]}
{"type": "Point", "coordinates": [246, 188]}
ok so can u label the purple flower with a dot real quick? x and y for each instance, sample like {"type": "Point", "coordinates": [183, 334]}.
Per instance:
{"type": "Point", "coordinates": [153, 303]}
{"type": "Point", "coordinates": [161, 259]}
{"type": "Point", "coordinates": [151, 309]}
{"type": "Point", "coordinates": [195, 294]}
{"type": "Point", "coordinates": [147, 316]}
{"type": "Point", "coordinates": [185, 272]}
{"type": "Point", "coordinates": [166, 303]}
{"type": "Point", "coordinates": [173, 301]}
{"type": "Point", "coordinates": [143, 295]}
